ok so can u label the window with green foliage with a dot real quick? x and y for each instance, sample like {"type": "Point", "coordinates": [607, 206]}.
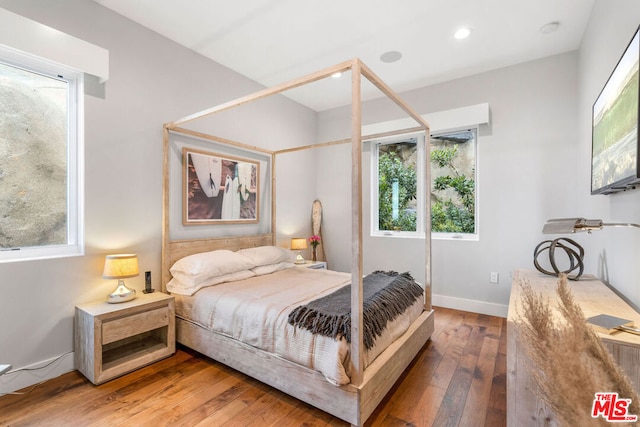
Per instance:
{"type": "Point", "coordinates": [400, 185]}
{"type": "Point", "coordinates": [397, 186]}
{"type": "Point", "coordinates": [453, 182]}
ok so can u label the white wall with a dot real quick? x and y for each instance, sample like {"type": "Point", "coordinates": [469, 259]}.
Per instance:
{"type": "Point", "coordinates": [612, 253]}
{"type": "Point", "coordinates": [152, 81]}
{"type": "Point", "coordinates": [526, 173]}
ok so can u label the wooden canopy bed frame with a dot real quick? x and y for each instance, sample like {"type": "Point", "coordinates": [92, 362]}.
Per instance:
{"type": "Point", "coordinates": [353, 402]}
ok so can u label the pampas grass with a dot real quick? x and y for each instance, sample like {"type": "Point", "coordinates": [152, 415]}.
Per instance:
{"type": "Point", "coordinates": [571, 362]}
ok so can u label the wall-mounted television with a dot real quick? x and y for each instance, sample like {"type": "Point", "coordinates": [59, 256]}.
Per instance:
{"type": "Point", "coordinates": [614, 151]}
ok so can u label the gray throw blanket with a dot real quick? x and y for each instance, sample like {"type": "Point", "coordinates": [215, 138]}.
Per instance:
{"type": "Point", "coordinates": [386, 295]}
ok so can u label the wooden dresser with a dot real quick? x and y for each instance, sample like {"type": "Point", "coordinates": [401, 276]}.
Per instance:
{"type": "Point", "coordinates": [594, 297]}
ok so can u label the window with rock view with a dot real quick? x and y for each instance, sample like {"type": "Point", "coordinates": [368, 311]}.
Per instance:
{"type": "Point", "coordinates": [39, 145]}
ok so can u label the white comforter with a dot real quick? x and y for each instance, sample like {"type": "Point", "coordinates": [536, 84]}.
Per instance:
{"type": "Point", "coordinates": [255, 311]}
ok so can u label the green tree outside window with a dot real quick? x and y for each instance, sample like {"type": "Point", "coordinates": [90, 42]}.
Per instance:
{"type": "Point", "coordinates": [397, 187]}
{"type": "Point", "coordinates": [452, 190]}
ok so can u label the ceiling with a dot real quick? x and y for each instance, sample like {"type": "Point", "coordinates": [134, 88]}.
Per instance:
{"type": "Point", "coordinates": [273, 41]}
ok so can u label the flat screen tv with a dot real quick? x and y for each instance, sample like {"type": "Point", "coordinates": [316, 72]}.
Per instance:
{"type": "Point", "coordinates": [614, 151]}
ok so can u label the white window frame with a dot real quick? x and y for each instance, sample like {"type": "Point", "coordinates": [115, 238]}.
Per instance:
{"type": "Point", "coordinates": [422, 190]}
{"type": "Point", "coordinates": [75, 156]}
{"type": "Point", "coordinates": [441, 122]}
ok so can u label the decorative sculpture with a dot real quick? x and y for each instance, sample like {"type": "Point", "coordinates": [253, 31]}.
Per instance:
{"type": "Point", "coordinates": [573, 250]}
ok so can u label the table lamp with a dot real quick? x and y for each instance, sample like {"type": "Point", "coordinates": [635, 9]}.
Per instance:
{"type": "Point", "coordinates": [574, 225]}
{"type": "Point", "coordinates": [120, 267]}
{"type": "Point", "coordinates": [297, 244]}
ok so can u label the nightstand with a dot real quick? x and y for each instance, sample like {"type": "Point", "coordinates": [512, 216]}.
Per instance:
{"type": "Point", "coordinates": [114, 339]}
{"type": "Point", "coordinates": [316, 265]}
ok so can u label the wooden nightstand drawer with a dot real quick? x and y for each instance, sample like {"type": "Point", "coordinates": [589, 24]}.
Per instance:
{"type": "Point", "coordinates": [135, 324]}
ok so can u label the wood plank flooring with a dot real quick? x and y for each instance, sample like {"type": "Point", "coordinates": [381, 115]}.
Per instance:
{"type": "Point", "coordinates": [457, 379]}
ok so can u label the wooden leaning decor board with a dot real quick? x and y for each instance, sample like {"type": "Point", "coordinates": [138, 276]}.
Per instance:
{"type": "Point", "coordinates": [356, 401]}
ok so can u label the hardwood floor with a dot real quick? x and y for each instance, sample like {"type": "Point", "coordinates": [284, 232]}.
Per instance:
{"type": "Point", "coordinates": [457, 379]}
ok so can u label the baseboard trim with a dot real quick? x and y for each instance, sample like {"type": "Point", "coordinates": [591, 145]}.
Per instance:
{"type": "Point", "coordinates": [473, 306]}
{"type": "Point", "coordinates": [21, 378]}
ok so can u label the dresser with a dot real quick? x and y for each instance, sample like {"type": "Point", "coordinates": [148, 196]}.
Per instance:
{"type": "Point", "coordinates": [594, 297]}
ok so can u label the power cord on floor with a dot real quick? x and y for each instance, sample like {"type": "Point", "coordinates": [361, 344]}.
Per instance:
{"type": "Point", "coordinates": [15, 371]}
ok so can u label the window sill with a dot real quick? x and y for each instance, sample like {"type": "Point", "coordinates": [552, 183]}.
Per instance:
{"type": "Point", "coordinates": [456, 236]}
{"type": "Point", "coordinates": [434, 236]}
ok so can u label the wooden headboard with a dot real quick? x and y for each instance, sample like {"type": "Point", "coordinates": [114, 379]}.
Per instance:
{"type": "Point", "coordinates": [173, 250]}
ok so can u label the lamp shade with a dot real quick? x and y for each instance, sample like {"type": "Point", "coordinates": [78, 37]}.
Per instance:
{"type": "Point", "coordinates": [574, 225]}
{"type": "Point", "coordinates": [120, 266]}
{"type": "Point", "coordinates": [298, 243]}
{"type": "Point", "coordinates": [571, 225]}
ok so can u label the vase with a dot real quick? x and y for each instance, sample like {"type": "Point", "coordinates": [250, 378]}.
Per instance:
{"type": "Point", "coordinates": [314, 253]}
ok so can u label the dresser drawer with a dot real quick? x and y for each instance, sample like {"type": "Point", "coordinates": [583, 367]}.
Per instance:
{"type": "Point", "coordinates": [118, 329]}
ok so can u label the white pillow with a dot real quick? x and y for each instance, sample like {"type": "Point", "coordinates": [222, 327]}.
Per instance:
{"type": "Point", "coordinates": [270, 268]}
{"type": "Point", "coordinates": [175, 286]}
{"type": "Point", "coordinates": [196, 269]}
{"type": "Point", "coordinates": [265, 255]}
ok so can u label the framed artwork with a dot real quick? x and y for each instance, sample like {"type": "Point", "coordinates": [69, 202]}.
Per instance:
{"type": "Point", "coordinates": [219, 189]}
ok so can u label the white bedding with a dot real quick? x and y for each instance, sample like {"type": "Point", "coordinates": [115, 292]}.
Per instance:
{"type": "Point", "coordinates": [255, 311]}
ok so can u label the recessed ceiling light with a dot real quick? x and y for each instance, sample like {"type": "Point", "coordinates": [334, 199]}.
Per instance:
{"type": "Point", "coordinates": [336, 75]}
{"type": "Point", "coordinates": [550, 27]}
{"type": "Point", "coordinates": [462, 33]}
{"type": "Point", "coordinates": [391, 56]}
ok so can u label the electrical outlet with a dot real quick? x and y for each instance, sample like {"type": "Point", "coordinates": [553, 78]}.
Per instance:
{"type": "Point", "coordinates": [494, 277]}
{"type": "Point", "coordinates": [4, 368]}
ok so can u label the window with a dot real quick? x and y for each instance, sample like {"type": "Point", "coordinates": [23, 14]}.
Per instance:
{"type": "Point", "coordinates": [41, 118]}
{"type": "Point", "coordinates": [453, 184]}
{"type": "Point", "coordinates": [398, 186]}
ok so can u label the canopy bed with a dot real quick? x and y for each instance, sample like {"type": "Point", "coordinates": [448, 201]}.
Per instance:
{"type": "Point", "coordinates": [371, 373]}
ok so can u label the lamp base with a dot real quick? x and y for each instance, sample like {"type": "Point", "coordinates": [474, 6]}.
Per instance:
{"type": "Point", "coordinates": [121, 294]}
{"type": "Point", "coordinates": [300, 260]}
